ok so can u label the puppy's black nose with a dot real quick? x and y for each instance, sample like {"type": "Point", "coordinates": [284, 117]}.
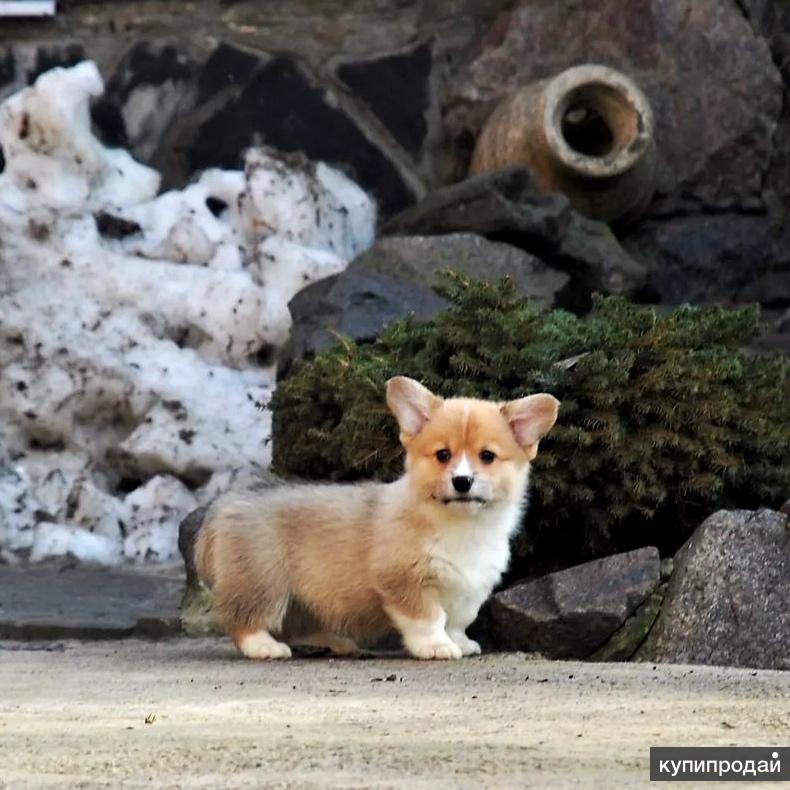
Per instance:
{"type": "Point", "coordinates": [462, 484]}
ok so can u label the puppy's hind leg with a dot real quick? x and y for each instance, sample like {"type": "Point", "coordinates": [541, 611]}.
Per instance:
{"type": "Point", "coordinates": [251, 607]}
{"type": "Point", "coordinates": [249, 622]}
{"type": "Point", "coordinates": [247, 569]}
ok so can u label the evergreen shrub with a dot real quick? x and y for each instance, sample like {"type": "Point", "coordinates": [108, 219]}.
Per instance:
{"type": "Point", "coordinates": [664, 418]}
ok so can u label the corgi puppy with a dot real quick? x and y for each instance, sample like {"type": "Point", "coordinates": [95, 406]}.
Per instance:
{"type": "Point", "coordinates": [337, 565]}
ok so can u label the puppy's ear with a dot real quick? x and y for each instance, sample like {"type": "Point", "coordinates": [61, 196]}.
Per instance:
{"type": "Point", "coordinates": [411, 403]}
{"type": "Point", "coordinates": [531, 419]}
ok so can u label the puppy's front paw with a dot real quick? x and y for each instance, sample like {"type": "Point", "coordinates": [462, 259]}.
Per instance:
{"type": "Point", "coordinates": [443, 650]}
{"type": "Point", "coordinates": [262, 646]}
{"type": "Point", "coordinates": [468, 646]}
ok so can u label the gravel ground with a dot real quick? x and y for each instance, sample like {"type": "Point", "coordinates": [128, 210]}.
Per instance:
{"type": "Point", "coordinates": [73, 714]}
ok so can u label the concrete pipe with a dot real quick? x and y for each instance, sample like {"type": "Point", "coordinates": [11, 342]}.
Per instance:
{"type": "Point", "coordinates": [588, 133]}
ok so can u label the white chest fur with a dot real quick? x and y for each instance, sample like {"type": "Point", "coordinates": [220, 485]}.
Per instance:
{"type": "Point", "coordinates": [469, 556]}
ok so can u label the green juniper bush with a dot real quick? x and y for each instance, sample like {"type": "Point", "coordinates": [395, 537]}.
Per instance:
{"type": "Point", "coordinates": [664, 418]}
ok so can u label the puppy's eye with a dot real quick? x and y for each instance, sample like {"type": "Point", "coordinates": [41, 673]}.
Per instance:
{"type": "Point", "coordinates": [443, 456]}
{"type": "Point", "coordinates": [487, 457]}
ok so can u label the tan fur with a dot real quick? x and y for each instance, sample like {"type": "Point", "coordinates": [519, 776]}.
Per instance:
{"type": "Point", "coordinates": [345, 562]}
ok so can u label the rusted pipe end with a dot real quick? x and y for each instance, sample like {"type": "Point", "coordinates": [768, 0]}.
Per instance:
{"type": "Point", "coordinates": [596, 121]}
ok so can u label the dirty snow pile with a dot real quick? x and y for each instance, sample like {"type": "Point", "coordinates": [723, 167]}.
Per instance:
{"type": "Point", "coordinates": [135, 328]}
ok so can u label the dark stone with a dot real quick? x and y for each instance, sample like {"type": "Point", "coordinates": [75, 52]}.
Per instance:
{"type": "Point", "coordinates": [715, 91]}
{"type": "Point", "coordinates": [394, 279]}
{"type": "Point", "coordinates": [7, 68]}
{"type": "Point", "coordinates": [397, 90]}
{"type": "Point", "coordinates": [157, 66]}
{"type": "Point", "coordinates": [279, 106]}
{"type": "Point", "coordinates": [108, 123]}
{"type": "Point", "coordinates": [227, 67]}
{"type": "Point", "coordinates": [570, 613]}
{"type": "Point", "coordinates": [112, 227]}
{"type": "Point", "coordinates": [152, 64]}
{"type": "Point", "coordinates": [187, 535]}
{"type": "Point", "coordinates": [357, 305]}
{"type": "Point", "coordinates": [223, 77]}
{"type": "Point", "coordinates": [505, 206]}
{"type": "Point", "coordinates": [51, 57]}
{"type": "Point", "coordinates": [83, 602]}
{"type": "Point", "coordinates": [703, 258]}
{"type": "Point", "coordinates": [777, 181]}
{"type": "Point", "coordinates": [728, 602]}
{"type": "Point", "coordinates": [771, 20]}
{"type": "Point", "coordinates": [771, 289]}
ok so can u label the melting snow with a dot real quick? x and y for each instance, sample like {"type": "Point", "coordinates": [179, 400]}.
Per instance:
{"type": "Point", "coordinates": [134, 327]}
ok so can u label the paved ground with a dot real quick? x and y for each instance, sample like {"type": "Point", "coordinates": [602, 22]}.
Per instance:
{"type": "Point", "coordinates": [73, 715]}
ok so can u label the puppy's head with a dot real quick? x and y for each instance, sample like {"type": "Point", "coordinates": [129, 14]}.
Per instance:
{"type": "Point", "coordinates": [467, 453]}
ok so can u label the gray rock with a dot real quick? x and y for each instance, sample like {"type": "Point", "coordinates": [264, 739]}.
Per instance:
{"type": "Point", "coordinates": [417, 260]}
{"type": "Point", "coordinates": [394, 279]}
{"type": "Point", "coordinates": [771, 20]}
{"type": "Point", "coordinates": [82, 602]}
{"type": "Point", "coordinates": [506, 206]}
{"type": "Point", "coordinates": [570, 613]}
{"type": "Point", "coordinates": [728, 602]}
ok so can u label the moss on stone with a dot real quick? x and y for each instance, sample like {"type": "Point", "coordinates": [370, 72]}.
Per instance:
{"type": "Point", "coordinates": [624, 642]}
{"type": "Point", "coordinates": [197, 617]}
